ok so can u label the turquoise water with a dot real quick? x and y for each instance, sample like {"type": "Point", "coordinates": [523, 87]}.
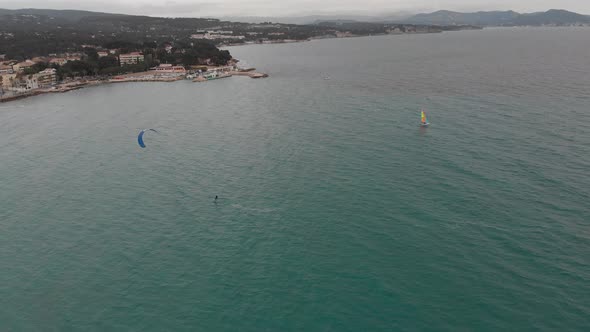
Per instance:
{"type": "Point", "coordinates": [336, 211]}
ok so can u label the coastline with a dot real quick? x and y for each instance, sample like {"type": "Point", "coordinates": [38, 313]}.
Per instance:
{"type": "Point", "coordinates": [151, 76]}
{"type": "Point", "coordinates": [147, 76]}
{"type": "Point", "coordinates": [292, 41]}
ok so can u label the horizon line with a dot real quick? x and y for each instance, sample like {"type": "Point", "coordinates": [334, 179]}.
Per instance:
{"type": "Point", "coordinates": [302, 15]}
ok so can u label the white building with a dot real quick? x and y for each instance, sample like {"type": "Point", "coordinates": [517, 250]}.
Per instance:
{"type": "Point", "coordinates": [46, 77]}
{"type": "Point", "coordinates": [6, 69]}
{"type": "Point", "coordinates": [215, 35]}
{"type": "Point", "coordinates": [42, 79]}
{"type": "Point", "coordinates": [58, 61]}
{"type": "Point", "coordinates": [169, 69]}
{"type": "Point", "coordinates": [8, 81]}
{"type": "Point", "coordinates": [131, 58]}
{"type": "Point", "coordinates": [31, 82]}
{"type": "Point", "coordinates": [21, 66]}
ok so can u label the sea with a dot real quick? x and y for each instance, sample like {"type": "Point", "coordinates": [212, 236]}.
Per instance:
{"type": "Point", "coordinates": [336, 211]}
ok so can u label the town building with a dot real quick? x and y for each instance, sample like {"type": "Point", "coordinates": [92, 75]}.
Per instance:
{"type": "Point", "coordinates": [73, 58]}
{"type": "Point", "coordinates": [8, 81]}
{"type": "Point", "coordinates": [42, 79]}
{"type": "Point", "coordinates": [344, 34]}
{"type": "Point", "coordinates": [395, 31]}
{"type": "Point", "coordinates": [6, 69]}
{"type": "Point", "coordinates": [58, 61]}
{"type": "Point", "coordinates": [102, 54]}
{"type": "Point", "coordinates": [265, 26]}
{"type": "Point", "coordinates": [21, 66]}
{"type": "Point", "coordinates": [31, 82]}
{"type": "Point", "coordinates": [215, 35]}
{"type": "Point", "coordinates": [38, 59]}
{"type": "Point", "coordinates": [47, 77]}
{"type": "Point", "coordinates": [168, 68]}
{"type": "Point", "coordinates": [131, 58]}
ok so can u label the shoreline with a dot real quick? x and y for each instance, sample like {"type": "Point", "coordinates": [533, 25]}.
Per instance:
{"type": "Point", "coordinates": [474, 28]}
{"type": "Point", "coordinates": [293, 41]}
{"type": "Point", "coordinates": [151, 76]}
{"type": "Point", "coordinates": [147, 76]}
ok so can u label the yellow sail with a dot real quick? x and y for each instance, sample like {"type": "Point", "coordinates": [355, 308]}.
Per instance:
{"type": "Point", "coordinates": [423, 117]}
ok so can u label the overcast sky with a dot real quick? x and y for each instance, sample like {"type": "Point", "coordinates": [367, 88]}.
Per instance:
{"type": "Point", "coordinates": [195, 8]}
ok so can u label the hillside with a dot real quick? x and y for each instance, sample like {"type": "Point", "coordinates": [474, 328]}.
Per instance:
{"type": "Point", "coordinates": [553, 17]}
{"type": "Point", "coordinates": [67, 15]}
{"type": "Point", "coordinates": [39, 32]}
{"type": "Point", "coordinates": [500, 18]}
{"type": "Point", "coordinates": [445, 17]}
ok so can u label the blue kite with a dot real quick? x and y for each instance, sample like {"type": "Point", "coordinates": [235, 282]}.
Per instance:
{"type": "Point", "coordinates": [140, 137]}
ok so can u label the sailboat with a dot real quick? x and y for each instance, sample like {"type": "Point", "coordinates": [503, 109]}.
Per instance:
{"type": "Point", "coordinates": [423, 120]}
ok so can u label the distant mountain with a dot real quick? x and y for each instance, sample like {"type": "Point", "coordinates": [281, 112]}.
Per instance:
{"type": "Point", "coordinates": [445, 17]}
{"type": "Point", "coordinates": [314, 19]}
{"type": "Point", "coordinates": [500, 18]}
{"type": "Point", "coordinates": [311, 19]}
{"type": "Point", "coordinates": [442, 17]}
{"type": "Point", "coordinates": [67, 15]}
{"type": "Point", "coordinates": [553, 17]}
{"type": "Point", "coordinates": [27, 33]}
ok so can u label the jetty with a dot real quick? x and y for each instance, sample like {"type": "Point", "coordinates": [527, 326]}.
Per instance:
{"type": "Point", "coordinates": [214, 73]}
{"type": "Point", "coordinates": [205, 78]}
{"type": "Point", "coordinates": [251, 74]}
